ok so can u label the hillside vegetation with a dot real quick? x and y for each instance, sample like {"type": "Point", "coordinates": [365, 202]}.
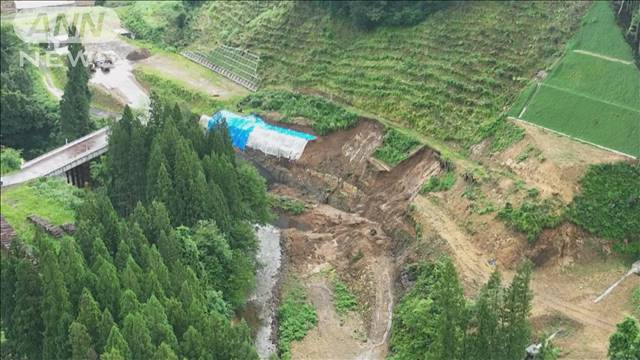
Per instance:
{"type": "Point", "coordinates": [609, 205]}
{"type": "Point", "coordinates": [448, 77]}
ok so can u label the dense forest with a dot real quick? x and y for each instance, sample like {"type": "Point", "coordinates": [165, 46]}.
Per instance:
{"type": "Point", "coordinates": [28, 117]}
{"type": "Point", "coordinates": [159, 273]}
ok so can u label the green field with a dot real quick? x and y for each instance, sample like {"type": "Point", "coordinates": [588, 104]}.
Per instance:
{"type": "Point", "coordinates": [599, 36]}
{"type": "Point", "coordinates": [590, 97]}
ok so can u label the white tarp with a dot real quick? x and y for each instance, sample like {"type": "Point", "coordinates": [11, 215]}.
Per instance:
{"type": "Point", "coordinates": [276, 144]}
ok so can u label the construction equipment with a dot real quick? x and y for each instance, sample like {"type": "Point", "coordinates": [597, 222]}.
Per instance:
{"type": "Point", "coordinates": [533, 350]}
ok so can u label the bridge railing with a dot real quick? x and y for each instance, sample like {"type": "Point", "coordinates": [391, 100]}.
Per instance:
{"type": "Point", "coordinates": [63, 148]}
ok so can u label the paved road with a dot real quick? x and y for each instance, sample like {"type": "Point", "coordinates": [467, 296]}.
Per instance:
{"type": "Point", "coordinates": [59, 160]}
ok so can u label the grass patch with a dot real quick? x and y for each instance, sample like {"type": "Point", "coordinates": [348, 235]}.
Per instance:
{"type": "Point", "coordinates": [10, 160]}
{"type": "Point", "coordinates": [295, 318]}
{"type": "Point", "coordinates": [441, 182]}
{"type": "Point", "coordinates": [609, 81]}
{"type": "Point", "coordinates": [101, 99]}
{"type": "Point", "coordinates": [635, 299]}
{"type": "Point", "coordinates": [609, 205]}
{"type": "Point", "coordinates": [50, 198]}
{"type": "Point", "coordinates": [505, 133]}
{"type": "Point", "coordinates": [58, 74]}
{"type": "Point", "coordinates": [523, 99]}
{"type": "Point", "coordinates": [325, 116]}
{"type": "Point", "coordinates": [287, 204]}
{"type": "Point", "coordinates": [197, 71]}
{"type": "Point", "coordinates": [532, 216]}
{"type": "Point", "coordinates": [396, 147]}
{"type": "Point", "coordinates": [196, 101]}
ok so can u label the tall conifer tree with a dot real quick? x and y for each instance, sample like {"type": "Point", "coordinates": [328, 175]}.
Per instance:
{"type": "Point", "coordinates": [74, 105]}
{"type": "Point", "coordinates": [56, 308]}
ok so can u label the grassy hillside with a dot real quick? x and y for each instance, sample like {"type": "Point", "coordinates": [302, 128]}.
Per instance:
{"type": "Point", "coordinates": [50, 198]}
{"type": "Point", "coordinates": [449, 77]}
{"type": "Point", "coordinates": [593, 93]}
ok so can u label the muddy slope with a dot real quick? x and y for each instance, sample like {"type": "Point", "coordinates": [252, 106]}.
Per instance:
{"type": "Point", "coordinates": [359, 220]}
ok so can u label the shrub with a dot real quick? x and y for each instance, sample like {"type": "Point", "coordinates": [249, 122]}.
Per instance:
{"type": "Point", "coordinates": [287, 204]}
{"type": "Point", "coordinates": [609, 205]}
{"type": "Point", "coordinates": [442, 182]}
{"type": "Point", "coordinates": [395, 148]}
{"type": "Point", "coordinates": [343, 299]}
{"type": "Point", "coordinates": [296, 316]}
{"type": "Point", "coordinates": [10, 160]}
{"type": "Point", "coordinates": [532, 217]}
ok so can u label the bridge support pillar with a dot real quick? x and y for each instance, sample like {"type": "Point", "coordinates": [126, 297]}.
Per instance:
{"type": "Point", "coordinates": [79, 175]}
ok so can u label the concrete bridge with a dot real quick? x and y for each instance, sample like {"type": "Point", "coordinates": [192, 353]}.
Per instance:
{"type": "Point", "coordinates": [71, 160]}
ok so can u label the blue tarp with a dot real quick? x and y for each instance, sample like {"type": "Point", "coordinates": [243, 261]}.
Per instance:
{"type": "Point", "coordinates": [241, 126]}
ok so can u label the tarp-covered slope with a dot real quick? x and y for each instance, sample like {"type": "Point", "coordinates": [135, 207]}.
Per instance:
{"type": "Point", "coordinates": [253, 132]}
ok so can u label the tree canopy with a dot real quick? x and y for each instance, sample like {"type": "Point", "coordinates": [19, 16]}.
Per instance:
{"type": "Point", "coordinates": [149, 275]}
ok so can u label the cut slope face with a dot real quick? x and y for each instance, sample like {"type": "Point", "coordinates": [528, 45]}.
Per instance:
{"type": "Point", "coordinates": [593, 94]}
{"type": "Point", "coordinates": [448, 77]}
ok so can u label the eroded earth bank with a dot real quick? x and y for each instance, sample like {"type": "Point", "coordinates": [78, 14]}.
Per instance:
{"type": "Point", "coordinates": [355, 223]}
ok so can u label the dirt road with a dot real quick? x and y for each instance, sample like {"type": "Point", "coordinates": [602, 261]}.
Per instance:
{"type": "Point", "coordinates": [179, 69]}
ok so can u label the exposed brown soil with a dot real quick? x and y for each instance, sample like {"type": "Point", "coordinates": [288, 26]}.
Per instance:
{"type": "Point", "coordinates": [561, 163]}
{"type": "Point", "coordinates": [138, 54]}
{"type": "Point", "coordinates": [363, 215]}
{"type": "Point", "coordinates": [359, 220]}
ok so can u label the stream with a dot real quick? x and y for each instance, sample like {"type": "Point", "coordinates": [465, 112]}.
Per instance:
{"type": "Point", "coordinates": [261, 305]}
